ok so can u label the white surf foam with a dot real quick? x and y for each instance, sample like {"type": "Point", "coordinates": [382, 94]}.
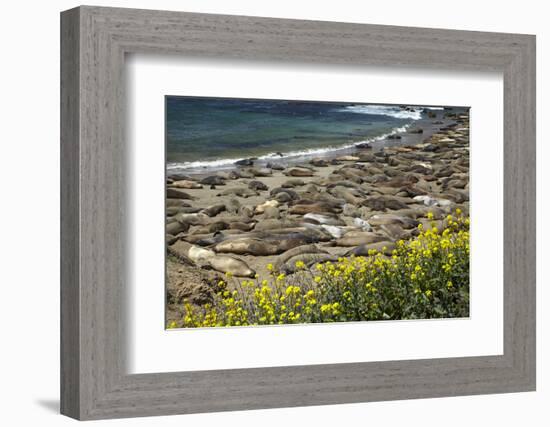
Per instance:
{"type": "Point", "coordinates": [221, 163]}
{"type": "Point", "coordinates": [414, 113]}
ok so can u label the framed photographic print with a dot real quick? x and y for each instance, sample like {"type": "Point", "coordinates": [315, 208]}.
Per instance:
{"type": "Point", "coordinates": [350, 209]}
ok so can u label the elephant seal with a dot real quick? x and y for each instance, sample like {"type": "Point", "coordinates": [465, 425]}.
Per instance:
{"type": "Point", "coordinates": [396, 232]}
{"type": "Point", "coordinates": [346, 194]}
{"type": "Point", "coordinates": [247, 246]}
{"type": "Point", "coordinates": [333, 230]}
{"type": "Point", "coordinates": [313, 208]}
{"type": "Point", "coordinates": [362, 224]}
{"type": "Point", "coordinates": [176, 227]}
{"type": "Point", "coordinates": [191, 252]}
{"type": "Point", "coordinates": [239, 192]}
{"type": "Point", "coordinates": [201, 257]}
{"type": "Point", "coordinates": [257, 186]}
{"type": "Point", "coordinates": [291, 183]}
{"type": "Point", "coordinates": [176, 203]}
{"type": "Point", "coordinates": [242, 226]}
{"type": "Point", "coordinates": [214, 210]}
{"type": "Point", "coordinates": [324, 219]}
{"type": "Point", "coordinates": [186, 184]}
{"type": "Point", "coordinates": [405, 222]}
{"type": "Point", "coordinates": [308, 259]}
{"type": "Point", "coordinates": [359, 238]}
{"type": "Point", "coordinates": [213, 180]}
{"type": "Point", "coordinates": [385, 247]}
{"type": "Point", "coordinates": [293, 194]}
{"type": "Point", "coordinates": [232, 206]}
{"type": "Point", "coordinates": [229, 264]}
{"type": "Point", "coordinates": [283, 197]}
{"type": "Point", "coordinates": [262, 207]}
{"type": "Point", "coordinates": [275, 224]}
{"type": "Point", "coordinates": [192, 218]}
{"type": "Point", "coordinates": [298, 172]}
{"type": "Point", "coordinates": [298, 250]}
{"type": "Point", "coordinates": [381, 203]}
{"type": "Point", "coordinates": [182, 209]}
{"type": "Point", "coordinates": [271, 212]}
{"type": "Point", "coordinates": [261, 172]}
{"type": "Point", "coordinates": [213, 227]}
{"type": "Point", "coordinates": [176, 193]}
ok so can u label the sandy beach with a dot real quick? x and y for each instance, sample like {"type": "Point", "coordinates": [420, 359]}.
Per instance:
{"type": "Point", "coordinates": [238, 219]}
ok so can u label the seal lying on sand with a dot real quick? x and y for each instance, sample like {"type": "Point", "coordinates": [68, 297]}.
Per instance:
{"type": "Point", "coordinates": [186, 184]}
{"type": "Point", "coordinates": [299, 250]}
{"type": "Point", "coordinates": [385, 247]}
{"type": "Point", "coordinates": [357, 238]}
{"type": "Point", "coordinates": [201, 257]}
{"type": "Point", "coordinates": [176, 193]}
{"type": "Point", "coordinates": [262, 207]}
{"type": "Point", "coordinates": [308, 259]}
{"type": "Point", "coordinates": [246, 246]}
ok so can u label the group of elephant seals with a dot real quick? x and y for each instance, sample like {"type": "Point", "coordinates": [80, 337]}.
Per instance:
{"type": "Point", "coordinates": [299, 213]}
{"type": "Point", "coordinates": [201, 256]}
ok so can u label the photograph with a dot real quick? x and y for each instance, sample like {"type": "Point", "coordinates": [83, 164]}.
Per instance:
{"type": "Point", "coordinates": [291, 212]}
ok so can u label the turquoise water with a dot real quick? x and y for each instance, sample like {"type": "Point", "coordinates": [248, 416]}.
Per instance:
{"type": "Point", "coordinates": [215, 131]}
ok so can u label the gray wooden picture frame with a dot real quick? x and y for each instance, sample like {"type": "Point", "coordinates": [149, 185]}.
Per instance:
{"type": "Point", "coordinates": [94, 381]}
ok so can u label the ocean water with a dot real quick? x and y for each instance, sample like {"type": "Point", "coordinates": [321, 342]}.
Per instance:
{"type": "Point", "coordinates": [203, 132]}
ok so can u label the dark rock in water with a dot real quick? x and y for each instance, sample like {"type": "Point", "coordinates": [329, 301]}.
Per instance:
{"type": "Point", "coordinates": [393, 137]}
{"type": "Point", "coordinates": [245, 162]}
{"type": "Point", "coordinates": [175, 193]}
{"type": "Point", "coordinates": [213, 180]}
{"type": "Point", "coordinates": [438, 122]}
{"type": "Point", "coordinates": [364, 145]}
{"type": "Point", "coordinates": [431, 115]}
{"type": "Point", "coordinates": [258, 186]}
{"type": "Point", "coordinates": [416, 130]}
{"type": "Point", "coordinates": [335, 162]}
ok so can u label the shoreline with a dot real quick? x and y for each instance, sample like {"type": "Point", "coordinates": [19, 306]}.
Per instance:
{"type": "Point", "coordinates": [428, 125]}
{"type": "Point", "coordinates": [314, 208]}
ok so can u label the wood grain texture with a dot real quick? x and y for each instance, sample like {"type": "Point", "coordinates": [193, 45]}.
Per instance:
{"type": "Point", "coordinates": [95, 383]}
{"type": "Point", "coordinates": [70, 296]}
